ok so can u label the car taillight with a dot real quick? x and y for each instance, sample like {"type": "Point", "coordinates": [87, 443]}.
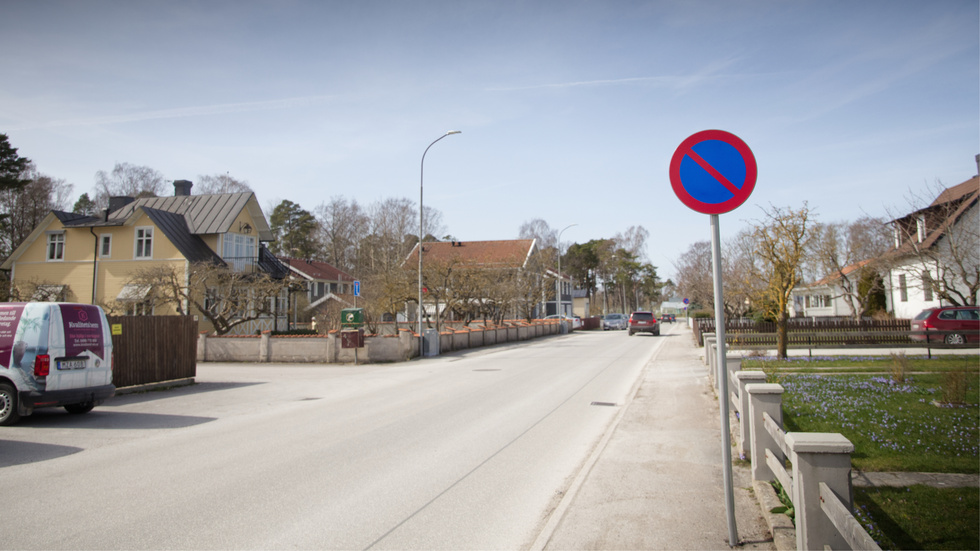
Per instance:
{"type": "Point", "coordinates": [927, 325]}
{"type": "Point", "coordinates": [42, 365]}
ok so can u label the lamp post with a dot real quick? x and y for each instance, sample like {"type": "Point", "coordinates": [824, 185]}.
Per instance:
{"type": "Point", "coordinates": [421, 225]}
{"type": "Point", "coordinates": [558, 279]}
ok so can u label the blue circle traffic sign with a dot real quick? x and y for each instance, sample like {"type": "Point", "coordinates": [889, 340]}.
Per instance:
{"type": "Point", "coordinates": [713, 172]}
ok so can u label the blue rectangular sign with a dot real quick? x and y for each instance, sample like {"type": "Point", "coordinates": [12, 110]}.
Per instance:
{"type": "Point", "coordinates": [357, 288]}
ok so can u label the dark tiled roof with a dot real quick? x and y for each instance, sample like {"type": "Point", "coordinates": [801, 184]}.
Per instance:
{"type": "Point", "coordinates": [71, 219]}
{"type": "Point", "coordinates": [943, 213]}
{"type": "Point", "coordinates": [175, 228]}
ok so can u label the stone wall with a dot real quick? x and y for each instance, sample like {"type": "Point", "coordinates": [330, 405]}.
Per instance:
{"type": "Point", "coordinates": [377, 348]}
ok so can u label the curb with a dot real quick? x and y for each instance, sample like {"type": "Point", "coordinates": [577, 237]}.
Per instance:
{"type": "Point", "coordinates": [136, 389]}
{"type": "Point", "coordinates": [780, 525]}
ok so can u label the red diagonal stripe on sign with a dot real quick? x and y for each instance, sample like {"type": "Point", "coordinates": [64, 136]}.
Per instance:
{"type": "Point", "coordinates": [711, 170]}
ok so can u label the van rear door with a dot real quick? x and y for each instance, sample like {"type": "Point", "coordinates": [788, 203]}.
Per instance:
{"type": "Point", "coordinates": [80, 352]}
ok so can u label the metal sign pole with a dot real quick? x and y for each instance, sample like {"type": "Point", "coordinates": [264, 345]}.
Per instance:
{"type": "Point", "coordinates": [726, 439]}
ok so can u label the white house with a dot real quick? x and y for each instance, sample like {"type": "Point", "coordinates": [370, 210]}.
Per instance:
{"type": "Point", "coordinates": [825, 297]}
{"type": "Point", "coordinates": [936, 258]}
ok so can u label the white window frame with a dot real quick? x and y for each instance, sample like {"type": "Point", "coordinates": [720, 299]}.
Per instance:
{"type": "Point", "coordinates": [55, 251]}
{"type": "Point", "coordinates": [239, 251]}
{"type": "Point", "coordinates": [146, 240]}
{"type": "Point", "coordinates": [105, 239]}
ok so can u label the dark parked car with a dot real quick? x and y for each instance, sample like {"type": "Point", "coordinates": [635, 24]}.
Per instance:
{"type": "Point", "coordinates": [643, 322]}
{"type": "Point", "coordinates": [962, 321]}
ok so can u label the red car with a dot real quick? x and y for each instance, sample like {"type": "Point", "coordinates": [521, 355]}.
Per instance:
{"type": "Point", "coordinates": [960, 324]}
{"type": "Point", "coordinates": [643, 322]}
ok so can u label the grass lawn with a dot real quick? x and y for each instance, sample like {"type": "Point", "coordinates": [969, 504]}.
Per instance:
{"type": "Point", "coordinates": [804, 364]}
{"type": "Point", "coordinates": [920, 517]}
{"type": "Point", "coordinates": [893, 426]}
{"type": "Point", "coordinates": [897, 426]}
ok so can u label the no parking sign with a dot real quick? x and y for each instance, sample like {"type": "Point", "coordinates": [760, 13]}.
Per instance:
{"type": "Point", "coordinates": [713, 172]}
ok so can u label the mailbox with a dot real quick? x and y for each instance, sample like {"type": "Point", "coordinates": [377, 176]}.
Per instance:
{"type": "Point", "coordinates": [352, 338]}
{"type": "Point", "coordinates": [352, 318]}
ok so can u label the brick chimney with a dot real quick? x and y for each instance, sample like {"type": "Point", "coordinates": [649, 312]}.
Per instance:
{"type": "Point", "coordinates": [182, 187]}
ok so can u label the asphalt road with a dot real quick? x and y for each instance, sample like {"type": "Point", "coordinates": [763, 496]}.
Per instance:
{"type": "Point", "coordinates": [470, 450]}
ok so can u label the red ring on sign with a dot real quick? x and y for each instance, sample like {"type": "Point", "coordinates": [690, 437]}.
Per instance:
{"type": "Point", "coordinates": [739, 194]}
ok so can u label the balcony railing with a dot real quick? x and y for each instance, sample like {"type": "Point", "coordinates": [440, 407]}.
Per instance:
{"type": "Point", "coordinates": [265, 262]}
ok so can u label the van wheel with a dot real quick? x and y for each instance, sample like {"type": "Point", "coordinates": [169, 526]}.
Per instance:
{"type": "Point", "coordinates": [79, 409]}
{"type": "Point", "coordinates": [8, 405]}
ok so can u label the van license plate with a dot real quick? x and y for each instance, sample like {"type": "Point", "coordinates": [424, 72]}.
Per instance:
{"type": "Point", "coordinates": [71, 364]}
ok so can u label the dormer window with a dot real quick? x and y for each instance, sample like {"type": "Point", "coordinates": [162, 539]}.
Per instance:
{"type": "Point", "coordinates": [920, 226]}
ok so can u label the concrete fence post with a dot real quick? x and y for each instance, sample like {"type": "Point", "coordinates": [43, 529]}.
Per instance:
{"type": "Point", "coordinates": [819, 457]}
{"type": "Point", "coordinates": [709, 358]}
{"type": "Point", "coordinates": [264, 346]}
{"type": "Point", "coordinates": [742, 379]}
{"type": "Point", "coordinates": [202, 346]}
{"type": "Point", "coordinates": [764, 398]}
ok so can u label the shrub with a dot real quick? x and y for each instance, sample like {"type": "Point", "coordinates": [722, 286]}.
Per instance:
{"type": "Point", "coordinates": [954, 387]}
{"type": "Point", "coordinates": [899, 367]}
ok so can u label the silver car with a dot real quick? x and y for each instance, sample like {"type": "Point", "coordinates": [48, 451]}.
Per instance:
{"type": "Point", "coordinates": [614, 321]}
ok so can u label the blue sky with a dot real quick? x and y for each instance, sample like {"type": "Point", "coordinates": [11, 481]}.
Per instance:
{"type": "Point", "coordinates": [569, 111]}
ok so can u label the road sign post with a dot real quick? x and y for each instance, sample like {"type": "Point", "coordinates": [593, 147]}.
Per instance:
{"type": "Point", "coordinates": [714, 172]}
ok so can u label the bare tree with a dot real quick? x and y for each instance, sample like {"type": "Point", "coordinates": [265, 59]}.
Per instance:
{"type": "Point", "coordinates": [741, 283]}
{"type": "Point", "coordinates": [694, 280]}
{"type": "Point", "coordinates": [127, 180]}
{"type": "Point", "coordinates": [529, 286]}
{"type": "Point", "coordinates": [392, 227]}
{"type": "Point", "coordinates": [781, 242]}
{"type": "Point", "coordinates": [540, 230]}
{"type": "Point", "coordinates": [849, 254]}
{"type": "Point", "coordinates": [24, 208]}
{"type": "Point", "coordinates": [225, 297]}
{"type": "Point", "coordinates": [343, 225]}
{"type": "Point", "coordinates": [634, 241]}
{"type": "Point", "coordinates": [220, 183]}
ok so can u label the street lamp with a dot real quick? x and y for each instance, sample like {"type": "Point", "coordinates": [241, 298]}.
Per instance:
{"type": "Point", "coordinates": [421, 218]}
{"type": "Point", "coordinates": [558, 279]}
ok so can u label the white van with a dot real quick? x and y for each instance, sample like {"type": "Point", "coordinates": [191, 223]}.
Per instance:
{"type": "Point", "coordinates": [53, 354]}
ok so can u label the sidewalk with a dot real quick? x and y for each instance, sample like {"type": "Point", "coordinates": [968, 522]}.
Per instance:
{"type": "Point", "coordinates": [656, 481]}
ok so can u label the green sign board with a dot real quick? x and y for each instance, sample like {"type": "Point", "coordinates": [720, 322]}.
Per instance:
{"type": "Point", "coordinates": [352, 318]}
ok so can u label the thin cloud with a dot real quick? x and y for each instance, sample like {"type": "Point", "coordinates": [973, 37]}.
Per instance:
{"type": "Point", "coordinates": [182, 112]}
{"type": "Point", "coordinates": [710, 72]}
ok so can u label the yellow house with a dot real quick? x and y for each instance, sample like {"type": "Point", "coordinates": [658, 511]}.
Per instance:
{"type": "Point", "coordinates": [89, 259]}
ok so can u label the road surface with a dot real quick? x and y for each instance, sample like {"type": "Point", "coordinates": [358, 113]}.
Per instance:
{"type": "Point", "coordinates": [470, 450]}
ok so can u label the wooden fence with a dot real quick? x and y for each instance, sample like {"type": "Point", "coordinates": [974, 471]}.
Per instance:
{"type": "Point", "coordinates": [153, 349]}
{"type": "Point", "coordinates": [812, 332]}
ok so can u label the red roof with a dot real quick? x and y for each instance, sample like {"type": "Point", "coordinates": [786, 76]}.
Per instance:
{"type": "Point", "coordinates": [507, 253]}
{"type": "Point", "coordinates": [316, 270]}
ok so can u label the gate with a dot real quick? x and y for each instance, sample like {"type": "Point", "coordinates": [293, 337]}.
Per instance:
{"type": "Point", "coordinates": [153, 349]}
